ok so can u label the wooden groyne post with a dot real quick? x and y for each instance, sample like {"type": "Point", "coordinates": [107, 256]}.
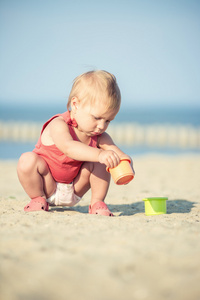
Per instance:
{"type": "Point", "coordinates": [128, 134]}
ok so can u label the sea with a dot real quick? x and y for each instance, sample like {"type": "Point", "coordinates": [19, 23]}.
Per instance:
{"type": "Point", "coordinates": [143, 116]}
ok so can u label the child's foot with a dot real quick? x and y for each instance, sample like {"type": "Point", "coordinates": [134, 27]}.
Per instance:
{"type": "Point", "coordinates": [100, 208]}
{"type": "Point", "coordinates": [38, 203]}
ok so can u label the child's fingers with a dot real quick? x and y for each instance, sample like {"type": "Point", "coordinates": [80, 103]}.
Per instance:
{"type": "Point", "coordinates": [109, 158]}
{"type": "Point", "coordinates": [113, 160]}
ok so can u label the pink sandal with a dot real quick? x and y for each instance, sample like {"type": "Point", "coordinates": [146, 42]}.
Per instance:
{"type": "Point", "coordinates": [38, 203]}
{"type": "Point", "coordinates": [100, 208]}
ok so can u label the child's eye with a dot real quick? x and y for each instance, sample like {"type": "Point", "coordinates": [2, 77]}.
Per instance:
{"type": "Point", "coordinates": [99, 118]}
{"type": "Point", "coordinates": [96, 118]}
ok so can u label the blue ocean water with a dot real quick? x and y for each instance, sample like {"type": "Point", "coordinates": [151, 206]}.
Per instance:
{"type": "Point", "coordinates": [140, 115]}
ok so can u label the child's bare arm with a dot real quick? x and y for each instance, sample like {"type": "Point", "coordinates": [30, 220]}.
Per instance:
{"type": "Point", "coordinates": [61, 137]}
{"type": "Point", "coordinates": [106, 143]}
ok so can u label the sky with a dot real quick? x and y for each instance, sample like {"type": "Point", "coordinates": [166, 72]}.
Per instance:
{"type": "Point", "coordinates": [152, 47]}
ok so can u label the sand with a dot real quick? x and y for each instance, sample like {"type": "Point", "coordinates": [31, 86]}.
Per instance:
{"type": "Point", "coordinates": [69, 254]}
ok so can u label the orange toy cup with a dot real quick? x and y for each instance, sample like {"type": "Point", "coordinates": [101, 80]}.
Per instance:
{"type": "Point", "coordinates": [123, 173]}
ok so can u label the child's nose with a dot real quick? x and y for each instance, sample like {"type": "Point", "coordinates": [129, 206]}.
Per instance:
{"type": "Point", "coordinates": [101, 124]}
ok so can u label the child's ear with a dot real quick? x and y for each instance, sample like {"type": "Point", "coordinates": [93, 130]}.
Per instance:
{"type": "Point", "coordinates": [74, 104]}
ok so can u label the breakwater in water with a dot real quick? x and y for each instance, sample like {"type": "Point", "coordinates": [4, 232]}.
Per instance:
{"type": "Point", "coordinates": [127, 134]}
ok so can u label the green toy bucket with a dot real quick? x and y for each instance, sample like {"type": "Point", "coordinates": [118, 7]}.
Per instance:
{"type": "Point", "coordinates": [155, 206]}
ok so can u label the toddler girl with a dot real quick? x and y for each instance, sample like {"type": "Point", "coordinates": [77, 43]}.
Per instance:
{"type": "Point", "coordinates": [74, 150]}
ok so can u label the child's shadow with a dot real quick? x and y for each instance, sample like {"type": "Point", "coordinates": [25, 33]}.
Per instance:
{"type": "Point", "coordinates": [77, 208]}
{"type": "Point", "coordinates": [179, 206]}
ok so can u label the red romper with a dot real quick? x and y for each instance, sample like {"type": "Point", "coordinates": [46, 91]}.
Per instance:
{"type": "Point", "coordinates": [63, 168]}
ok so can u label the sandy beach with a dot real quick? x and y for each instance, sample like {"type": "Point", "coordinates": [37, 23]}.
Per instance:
{"type": "Point", "coordinates": [68, 254]}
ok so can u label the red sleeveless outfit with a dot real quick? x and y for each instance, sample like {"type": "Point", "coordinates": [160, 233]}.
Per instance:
{"type": "Point", "coordinates": [63, 168]}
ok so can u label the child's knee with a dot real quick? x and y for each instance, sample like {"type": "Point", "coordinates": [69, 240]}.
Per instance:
{"type": "Point", "coordinates": [26, 162]}
{"type": "Point", "coordinates": [91, 166]}
{"type": "Point", "coordinates": [88, 166]}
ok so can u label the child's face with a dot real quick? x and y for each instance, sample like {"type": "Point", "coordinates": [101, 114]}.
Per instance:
{"type": "Point", "coordinates": [93, 119]}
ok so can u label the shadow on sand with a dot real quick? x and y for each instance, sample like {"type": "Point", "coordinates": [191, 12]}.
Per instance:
{"type": "Point", "coordinates": [178, 206]}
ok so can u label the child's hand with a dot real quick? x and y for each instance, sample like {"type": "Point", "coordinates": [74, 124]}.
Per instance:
{"type": "Point", "coordinates": [109, 158]}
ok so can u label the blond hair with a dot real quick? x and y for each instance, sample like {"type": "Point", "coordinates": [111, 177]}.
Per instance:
{"type": "Point", "coordinates": [94, 86]}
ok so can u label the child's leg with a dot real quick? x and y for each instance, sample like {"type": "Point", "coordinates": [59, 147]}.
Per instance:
{"type": "Point", "coordinates": [94, 176]}
{"type": "Point", "coordinates": [34, 175]}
